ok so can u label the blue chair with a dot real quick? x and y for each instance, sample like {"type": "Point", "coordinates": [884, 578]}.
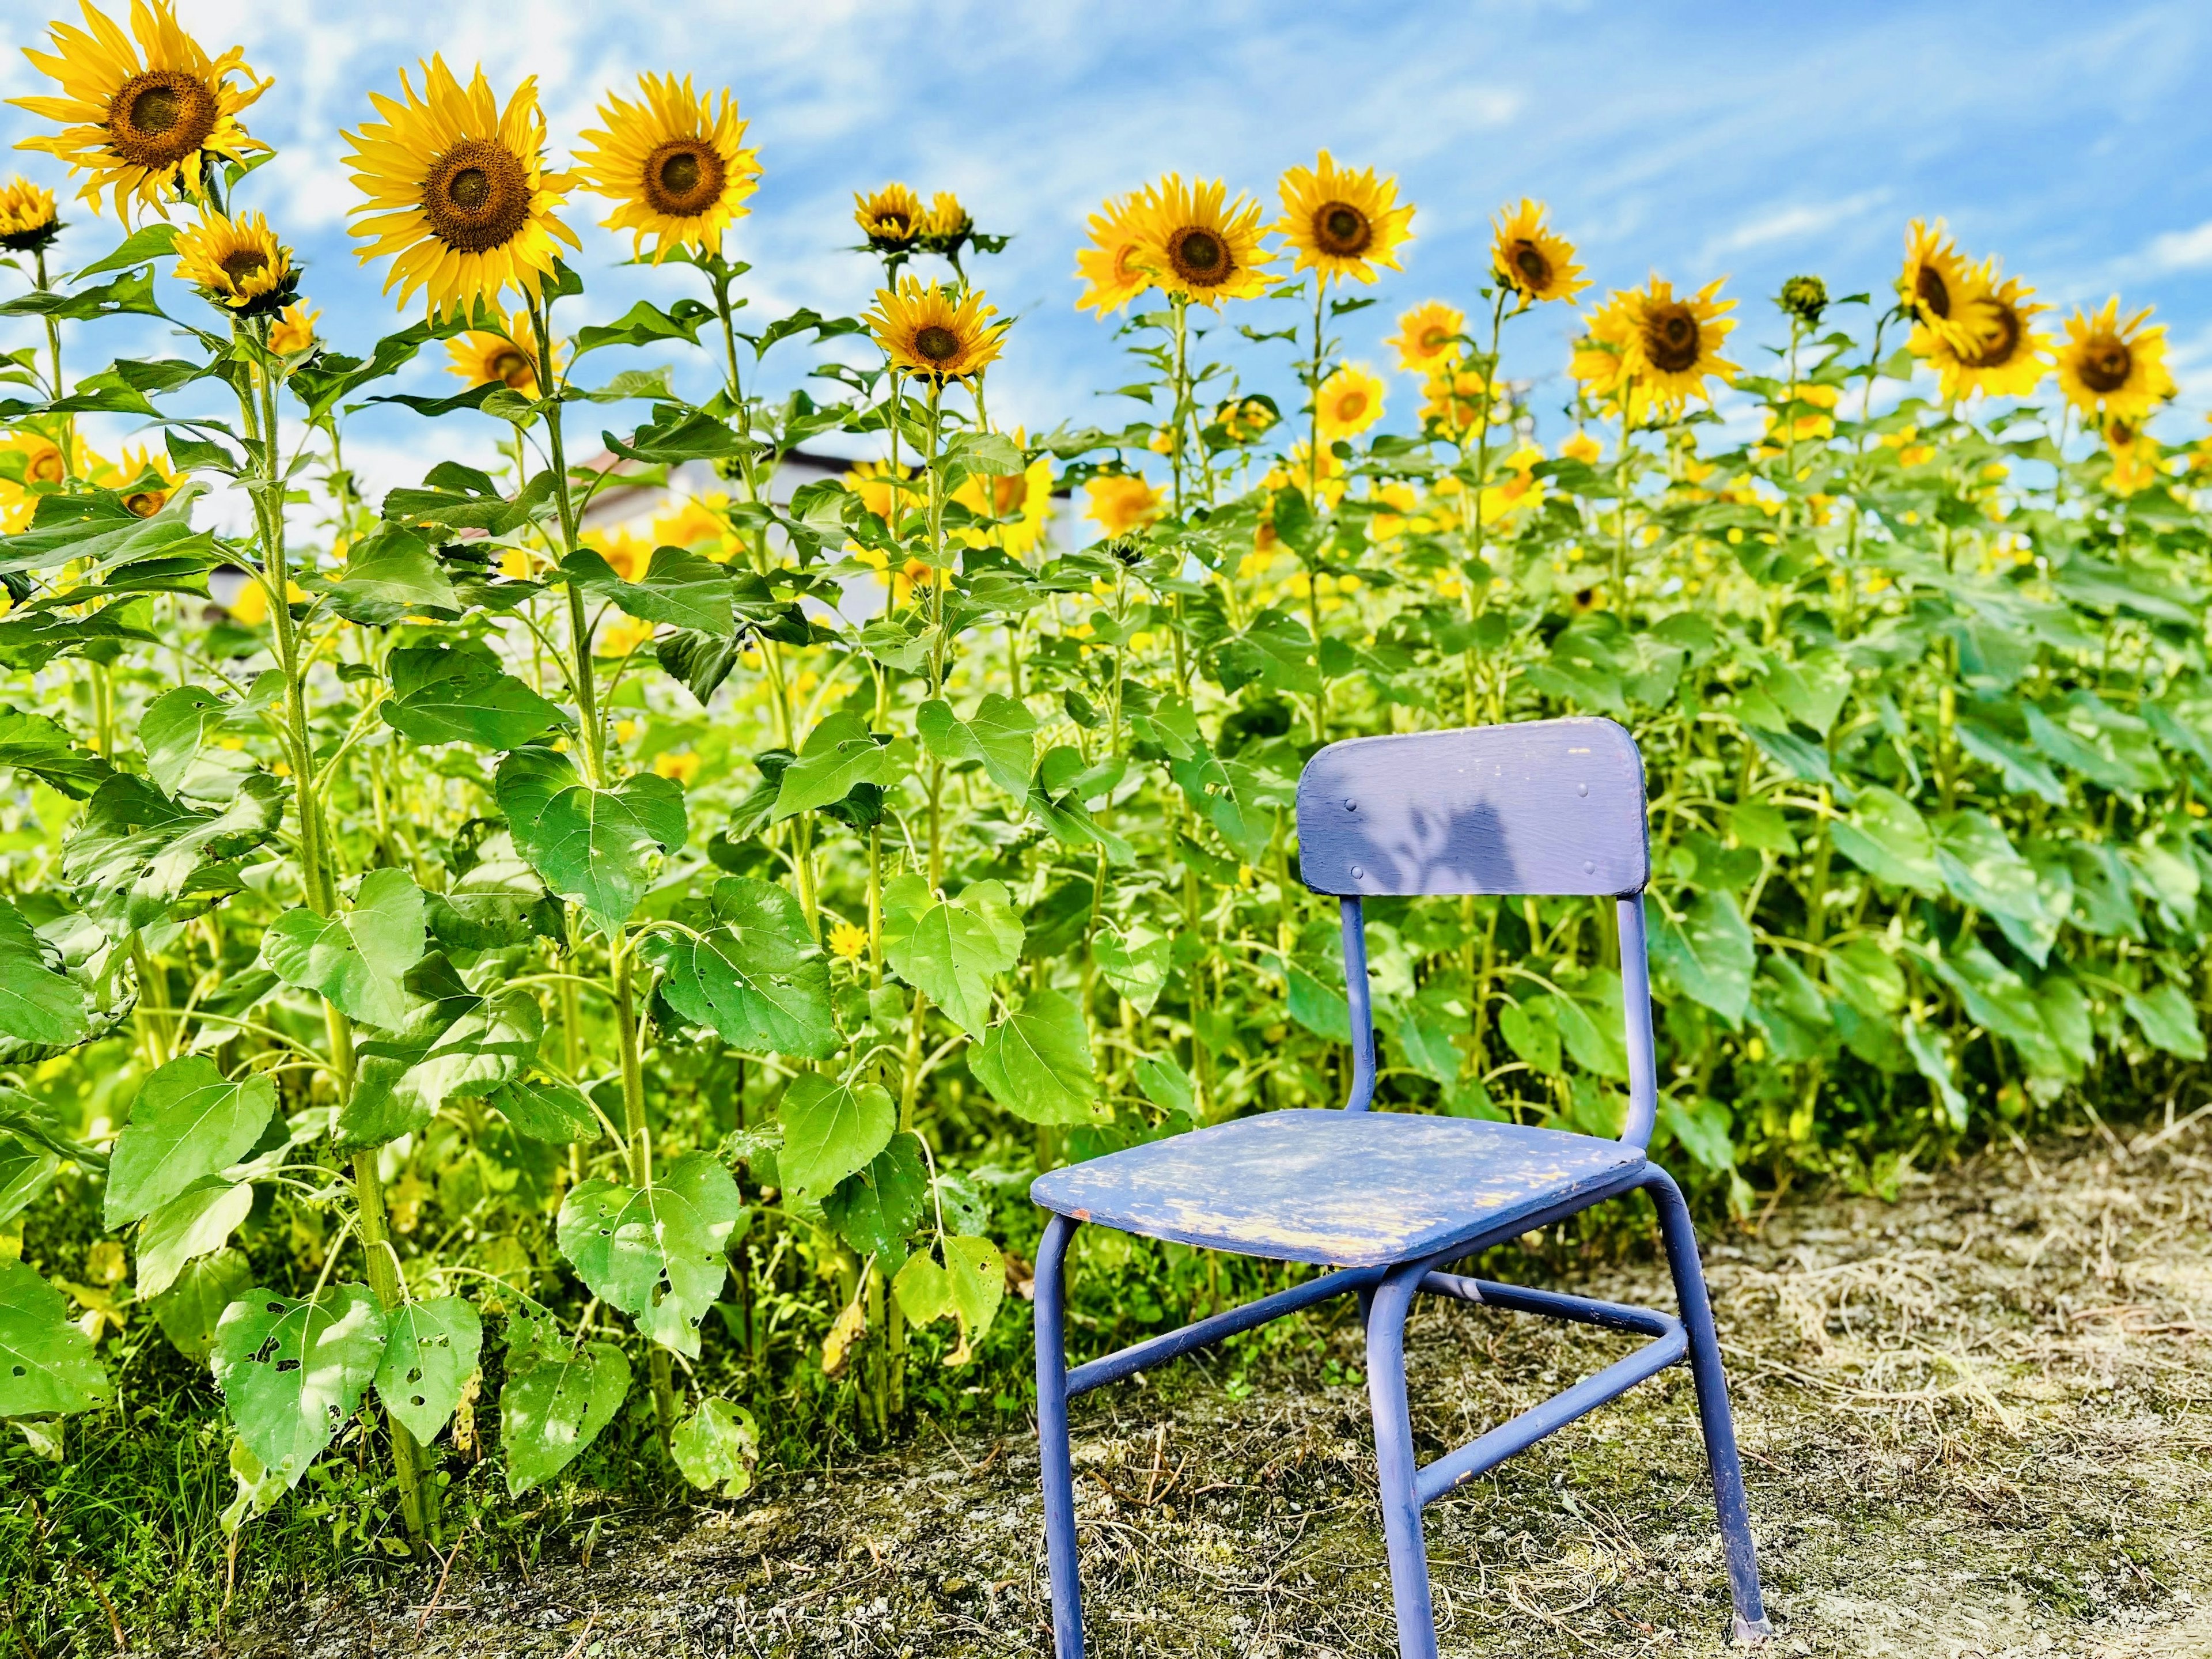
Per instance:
{"type": "Point", "coordinates": [1389, 1200]}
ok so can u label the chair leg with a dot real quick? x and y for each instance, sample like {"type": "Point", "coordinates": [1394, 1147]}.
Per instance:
{"type": "Point", "coordinates": [1713, 1416]}
{"type": "Point", "coordinates": [1393, 1461]}
{"type": "Point", "coordinates": [1055, 1470]}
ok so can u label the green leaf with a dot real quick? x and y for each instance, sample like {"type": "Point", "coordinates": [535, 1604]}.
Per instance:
{"type": "Point", "coordinates": [1135, 962]}
{"type": "Point", "coordinates": [1708, 952]}
{"type": "Point", "coordinates": [181, 731]}
{"type": "Point", "coordinates": [1930, 1048]}
{"type": "Point", "coordinates": [188, 1120]}
{"type": "Point", "coordinates": [681, 589]}
{"type": "Point", "coordinates": [428, 1356]}
{"type": "Point", "coordinates": [1531, 1030]}
{"type": "Point", "coordinates": [100, 532]}
{"type": "Point", "coordinates": [357, 958]}
{"type": "Point", "coordinates": [830, 1130]}
{"type": "Point", "coordinates": [758, 978]}
{"type": "Point", "coordinates": [141, 247]}
{"type": "Point", "coordinates": [460, 694]}
{"type": "Point", "coordinates": [647, 323]}
{"type": "Point", "coordinates": [839, 753]}
{"type": "Point", "coordinates": [1001, 734]}
{"type": "Point", "coordinates": [47, 1367]}
{"type": "Point", "coordinates": [1865, 976]}
{"type": "Point", "coordinates": [134, 849]}
{"type": "Point", "coordinates": [1705, 1131]}
{"type": "Point", "coordinates": [1167, 1085]}
{"type": "Point", "coordinates": [551, 1112]}
{"type": "Point", "coordinates": [874, 1208]}
{"type": "Point", "coordinates": [951, 949]}
{"type": "Point", "coordinates": [33, 744]}
{"type": "Point", "coordinates": [454, 1048]}
{"type": "Point", "coordinates": [391, 576]}
{"type": "Point", "coordinates": [966, 1288]}
{"type": "Point", "coordinates": [717, 1445]}
{"type": "Point", "coordinates": [26, 1171]}
{"type": "Point", "coordinates": [553, 1407]}
{"type": "Point", "coordinates": [593, 846]}
{"type": "Point", "coordinates": [1036, 1061]}
{"type": "Point", "coordinates": [198, 1221]}
{"type": "Point", "coordinates": [655, 1252]}
{"type": "Point", "coordinates": [459, 497]}
{"type": "Point", "coordinates": [37, 1004]}
{"type": "Point", "coordinates": [1887, 838]}
{"type": "Point", "coordinates": [2023, 773]}
{"type": "Point", "coordinates": [1982, 869]}
{"type": "Point", "coordinates": [188, 1310]}
{"type": "Point", "coordinates": [2167, 1020]}
{"type": "Point", "coordinates": [292, 1372]}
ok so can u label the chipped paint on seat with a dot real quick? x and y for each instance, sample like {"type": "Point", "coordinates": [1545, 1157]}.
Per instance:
{"type": "Point", "coordinates": [1349, 1190]}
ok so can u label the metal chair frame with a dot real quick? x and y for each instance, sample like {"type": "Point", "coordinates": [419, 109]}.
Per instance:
{"type": "Point", "coordinates": [1462, 824]}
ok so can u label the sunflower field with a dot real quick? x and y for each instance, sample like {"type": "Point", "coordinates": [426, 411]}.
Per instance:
{"type": "Point", "coordinates": [491, 1001]}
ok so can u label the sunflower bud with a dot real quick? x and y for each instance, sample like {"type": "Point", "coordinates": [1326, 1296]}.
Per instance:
{"type": "Point", "coordinates": [1804, 298]}
{"type": "Point", "coordinates": [27, 223]}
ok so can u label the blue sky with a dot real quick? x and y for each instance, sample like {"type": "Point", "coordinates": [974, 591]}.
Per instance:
{"type": "Point", "coordinates": [1696, 141]}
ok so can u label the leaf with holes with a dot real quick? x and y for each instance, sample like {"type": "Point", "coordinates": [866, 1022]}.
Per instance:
{"type": "Point", "coordinates": [595, 847]}
{"type": "Point", "coordinates": [553, 1407]}
{"type": "Point", "coordinates": [829, 1130]}
{"type": "Point", "coordinates": [292, 1372]}
{"type": "Point", "coordinates": [358, 957]}
{"type": "Point", "coordinates": [967, 1288]}
{"type": "Point", "coordinates": [717, 1445]}
{"type": "Point", "coordinates": [873, 1209]}
{"type": "Point", "coordinates": [656, 1252]}
{"type": "Point", "coordinates": [428, 1355]}
{"type": "Point", "coordinates": [547, 1111]}
{"type": "Point", "coordinates": [758, 980]}
{"type": "Point", "coordinates": [47, 1367]}
{"type": "Point", "coordinates": [837, 754]}
{"type": "Point", "coordinates": [188, 1120]}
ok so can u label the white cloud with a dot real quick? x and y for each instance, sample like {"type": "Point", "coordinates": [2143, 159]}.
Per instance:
{"type": "Point", "coordinates": [2181, 250]}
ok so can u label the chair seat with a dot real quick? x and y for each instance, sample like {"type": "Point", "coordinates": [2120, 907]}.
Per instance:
{"type": "Point", "coordinates": [1350, 1189]}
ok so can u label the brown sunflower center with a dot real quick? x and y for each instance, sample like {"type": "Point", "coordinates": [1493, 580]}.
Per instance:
{"type": "Point", "coordinates": [145, 503]}
{"type": "Point", "coordinates": [157, 118]}
{"type": "Point", "coordinates": [1341, 230]}
{"type": "Point", "coordinates": [478, 196]}
{"type": "Point", "coordinates": [1435, 337]}
{"type": "Point", "coordinates": [1350, 405]}
{"type": "Point", "coordinates": [1670, 337]}
{"type": "Point", "coordinates": [1531, 269]}
{"type": "Point", "coordinates": [2105, 363]}
{"type": "Point", "coordinates": [1998, 335]}
{"type": "Point", "coordinates": [241, 263]}
{"type": "Point", "coordinates": [1008, 494]}
{"type": "Point", "coordinates": [683, 177]}
{"type": "Point", "coordinates": [936, 343]}
{"type": "Point", "coordinates": [512, 368]}
{"type": "Point", "coordinates": [45, 466]}
{"type": "Point", "coordinates": [1933, 293]}
{"type": "Point", "coordinates": [1199, 257]}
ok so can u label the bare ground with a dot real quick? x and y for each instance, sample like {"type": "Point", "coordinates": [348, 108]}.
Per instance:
{"type": "Point", "coordinates": [1975, 1423]}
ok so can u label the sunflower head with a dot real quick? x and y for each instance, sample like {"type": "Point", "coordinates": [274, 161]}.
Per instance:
{"type": "Point", "coordinates": [1803, 299]}
{"type": "Point", "coordinates": [674, 163]}
{"type": "Point", "coordinates": [506, 356]}
{"type": "Point", "coordinates": [938, 332]}
{"type": "Point", "coordinates": [1647, 344]}
{"type": "Point", "coordinates": [1349, 402]}
{"type": "Point", "coordinates": [145, 116]}
{"type": "Point", "coordinates": [293, 333]}
{"type": "Point", "coordinates": [1529, 257]}
{"type": "Point", "coordinates": [27, 221]}
{"type": "Point", "coordinates": [1111, 268]}
{"type": "Point", "coordinates": [1122, 503]}
{"type": "Point", "coordinates": [143, 477]}
{"type": "Point", "coordinates": [2112, 367]}
{"type": "Point", "coordinates": [1932, 287]}
{"type": "Point", "coordinates": [1988, 345]}
{"type": "Point", "coordinates": [1342, 223]}
{"type": "Point", "coordinates": [456, 193]}
{"type": "Point", "coordinates": [891, 218]}
{"type": "Point", "coordinates": [1428, 336]}
{"type": "Point", "coordinates": [237, 264]}
{"type": "Point", "coordinates": [1195, 243]}
{"type": "Point", "coordinates": [945, 227]}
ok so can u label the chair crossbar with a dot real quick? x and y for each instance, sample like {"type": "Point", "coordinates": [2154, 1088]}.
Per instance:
{"type": "Point", "coordinates": [1581, 1310]}
{"type": "Point", "coordinates": [1172, 1345]}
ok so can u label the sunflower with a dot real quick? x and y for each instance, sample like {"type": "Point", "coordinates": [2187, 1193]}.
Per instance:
{"type": "Point", "coordinates": [1120, 502]}
{"type": "Point", "coordinates": [1989, 345]}
{"type": "Point", "coordinates": [28, 221]}
{"type": "Point", "coordinates": [675, 161]}
{"type": "Point", "coordinates": [1936, 279]}
{"type": "Point", "coordinates": [1021, 501]}
{"type": "Point", "coordinates": [139, 119]}
{"type": "Point", "coordinates": [699, 522]}
{"type": "Point", "coordinates": [1531, 259]}
{"type": "Point", "coordinates": [1647, 343]}
{"type": "Point", "coordinates": [143, 477]}
{"type": "Point", "coordinates": [2114, 368]}
{"type": "Point", "coordinates": [936, 332]}
{"type": "Point", "coordinates": [849, 943]}
{"type": "Point", "coordinates": [945, 228]}
{"type": "Point", "coordinates": [458, 194]}
{"type": "Point", "coordinates": [1349, 402]}
{"type": "Point", "coordinates": [1342, 223]}
{"type": "Point", "coordinates": [627, 553]}
{"type": "Point", "coordinates": [488, 356]}
{"type": "Point", "coordinates": [237, 263]}
{"type": "Point", "coordinates": [1452, 397]}
{"type": "Point", "coordinates": [31, 466]}
{"type": "Point", "coordinates": [293, 333]}
{"type": "Point", "coordinates": [891, 218]}
{"type": "Point", "coordinates": [1197, 243]}
{"type": "Point", "coordinates": [1109, 266]}
{"type": "Point", "coordinates": [1428, 336]}
{"type": "Point", "coordinates": [2135, 457]}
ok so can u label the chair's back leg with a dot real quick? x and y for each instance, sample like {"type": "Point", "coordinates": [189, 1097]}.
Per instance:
{"type": "Point", "coordinates": [1393, 1461]}
{"type": "Point", "coordinates": [1713, 1414]}
{"type": "Point", "coordinates": [1055, 1470]}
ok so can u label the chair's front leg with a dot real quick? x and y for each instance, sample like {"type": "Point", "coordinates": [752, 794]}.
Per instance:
{"type": "Point", "coordinates": [1713, 1414]}
{"type": "Point", "coordinates": [1055, 1471]}
{"type": "Point", "coordinates": [1387, 1309]}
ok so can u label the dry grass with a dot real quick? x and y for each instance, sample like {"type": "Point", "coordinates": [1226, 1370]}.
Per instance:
{"type": "Point", "coordinates": [1975, 1423]}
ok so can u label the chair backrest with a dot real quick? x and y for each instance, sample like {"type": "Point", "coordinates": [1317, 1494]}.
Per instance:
{"type": "Point", "coordinates": [1544, 807]}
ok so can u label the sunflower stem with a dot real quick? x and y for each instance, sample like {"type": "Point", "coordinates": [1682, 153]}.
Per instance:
{"type": "Point", "coordinates": [579, 624]}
